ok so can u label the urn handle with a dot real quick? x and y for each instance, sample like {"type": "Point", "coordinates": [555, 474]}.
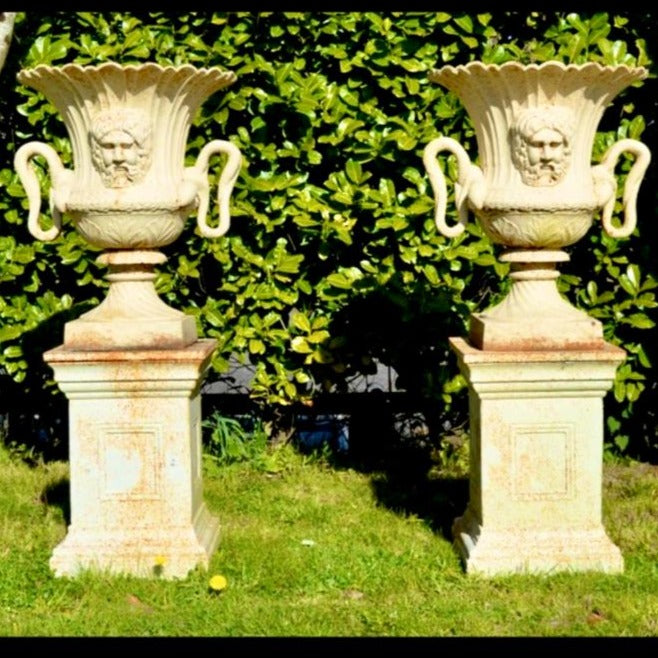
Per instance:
{"type": "Point", "coordinates": [606, 185]}
{"type": "Point", "coordinates": [469, 187]}
{"type": "Point", "coordinates": [199, 174]}
{"type": "Point", "coordinates": [60, 187]}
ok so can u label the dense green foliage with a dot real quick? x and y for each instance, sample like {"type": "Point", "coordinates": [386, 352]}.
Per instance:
{"type": "Point", "coordinates": [332, 261]}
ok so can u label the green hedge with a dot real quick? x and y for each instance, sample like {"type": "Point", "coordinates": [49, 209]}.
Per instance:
{"type": "Point", "coordinates": [332, 260]}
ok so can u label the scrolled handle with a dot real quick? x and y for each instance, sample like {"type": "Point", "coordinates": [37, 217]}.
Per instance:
{"type": "Point", "coordinates": [604, 178]}
{"type": "Point", "coordinates": [469, 187]}
{"type": "Point", "coordinates": [198, 174]}
{"type": "Point", "coordinates": [61, 184]}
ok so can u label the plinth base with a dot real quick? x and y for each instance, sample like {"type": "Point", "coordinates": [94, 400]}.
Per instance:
{"type": "Point", "coordinates": [512, 550]}
{"type": "Point", "coordinates": [536, 448]}
{"type": "Point", "coordinates": [135, 461]}
{"type": "Point", "coordinates": [170, 552]}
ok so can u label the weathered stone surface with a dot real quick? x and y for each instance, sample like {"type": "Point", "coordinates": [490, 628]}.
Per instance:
{"type": "Point", "coordinates": [135, 458]}
{"type": "Point", "coordinates": [536, 433]}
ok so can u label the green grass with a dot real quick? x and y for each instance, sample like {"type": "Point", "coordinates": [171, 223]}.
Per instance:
{"type": "Point", "coordinates": [312, 550]}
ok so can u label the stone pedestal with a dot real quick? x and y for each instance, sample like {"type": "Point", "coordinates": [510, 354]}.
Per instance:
{"type": "Point", "coordinates": [135, 458]}
{"type": "Point", "coordinates": [536, 440]}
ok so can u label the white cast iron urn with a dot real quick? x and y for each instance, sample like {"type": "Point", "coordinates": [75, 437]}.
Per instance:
{"type": "Point", "coordinates": [129, 191]}
{"type": "Point", "coordinates": [535, 189]}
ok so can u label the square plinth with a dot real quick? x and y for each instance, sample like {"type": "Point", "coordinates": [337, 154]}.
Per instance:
{"type": "Point", "coordinates": [135, 461]}
{"type": "Point", "coordinates": [536, 444]}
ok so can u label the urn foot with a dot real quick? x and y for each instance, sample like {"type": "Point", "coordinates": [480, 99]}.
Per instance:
{"type": "Point", "coordinates": [132, 316]}
{"type": "Point", "coordinates": [534, 316]}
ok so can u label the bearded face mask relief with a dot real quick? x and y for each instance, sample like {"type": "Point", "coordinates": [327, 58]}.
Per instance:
{"type": "Point", "coordinates": [541, 145]}
{"type": "Point", "coordinates": [120, 147]}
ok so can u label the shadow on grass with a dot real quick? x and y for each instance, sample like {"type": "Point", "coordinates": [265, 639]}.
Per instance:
{"type": "Point", "coordinates": [58, 494]}
{"type": "Point", "coordinates": [404, 448]}
{"type": "Point", "coordinates": [399, 453]}
{"type": "Point", "coordinates": [436, 501]}
{"type": "Point", "coordinates": [404, 483]}
{"type": "Point", "coordinates": [395, 440]}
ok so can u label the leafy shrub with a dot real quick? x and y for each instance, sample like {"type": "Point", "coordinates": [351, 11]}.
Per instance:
{"type": "Point", "coordinates": [332, 261]}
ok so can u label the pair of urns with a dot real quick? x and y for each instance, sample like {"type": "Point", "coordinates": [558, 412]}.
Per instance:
{"type": "Point", "coordinates": [535, 190]}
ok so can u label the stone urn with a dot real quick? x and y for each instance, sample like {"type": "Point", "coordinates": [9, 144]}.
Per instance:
{"type": "Point", "coordinates": [129, 191]}
{"type": "Point", "coordinates": [131, 367]}
{"type": "Point", "coordinates": [535, 190]}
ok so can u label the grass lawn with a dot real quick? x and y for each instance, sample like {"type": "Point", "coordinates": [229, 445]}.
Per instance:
{"type": "Point", "coordinates": [310, 549]}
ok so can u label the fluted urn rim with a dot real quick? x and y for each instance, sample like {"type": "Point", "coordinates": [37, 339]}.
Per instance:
{"type": "Point", "coordinates": [145, 67]}
{"type": "Point", "coordinates": [476, 67]}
